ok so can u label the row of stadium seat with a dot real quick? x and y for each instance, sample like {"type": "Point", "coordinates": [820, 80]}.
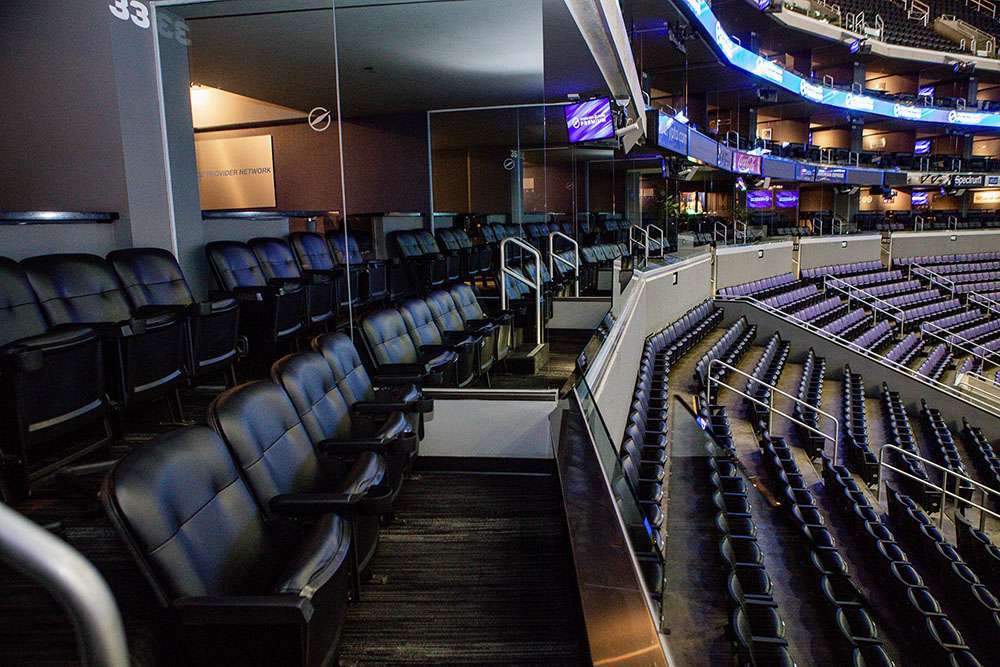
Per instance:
{"type": "Point", "coordinates": [900, 434]}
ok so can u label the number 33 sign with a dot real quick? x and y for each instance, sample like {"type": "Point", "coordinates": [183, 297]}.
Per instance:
{"type": "Point", "coordinates": [138, 13]}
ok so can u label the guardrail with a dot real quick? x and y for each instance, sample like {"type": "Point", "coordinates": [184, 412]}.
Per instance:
{"type": "Point", "coordinates": [935, 278]}
{"type": "Point", "coordinates": [877, 304]}
{"type": "Point", "coordinates": [865, 352]}
{"type": "Point", "coordinates": [574, 265]}
{"type": "Point", "coordinates": [535, 285]}
{"type": "Point", "coordinates": [73, 581]}
{"type": "Point", "coordinates": [633, 241]}
{"type": "Point", "coordinates": [770, 404]}
{"type": "Point", "coordinates": [951, 339]}
{"type": "Point", "coordinates": [985, 491]}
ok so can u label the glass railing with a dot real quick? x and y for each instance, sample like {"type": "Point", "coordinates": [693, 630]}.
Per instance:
{"type": "Point", "coordinates": [643, 539]}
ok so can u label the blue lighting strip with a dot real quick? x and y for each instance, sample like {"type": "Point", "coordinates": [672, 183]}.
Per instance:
{"type": "Point", "coordinates": [763, 68]}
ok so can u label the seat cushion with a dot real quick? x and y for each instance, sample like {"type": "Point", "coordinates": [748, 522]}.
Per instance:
{"type": "Point", "coordinates": [58, 339]}
{"type": "Point", "coordinates": [321, 554]}
{"type": "Point", "coordinates": [442, 359]}
{"type": "Point", "coordinates": [366, 473]}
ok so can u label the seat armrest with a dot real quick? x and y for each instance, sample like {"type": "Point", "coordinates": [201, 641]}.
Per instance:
{"type": "Point", "coordinates": [481, 326]}
{"type": "Point", "coordinates": [396, 370]}
{"type": "Point", "coordinates": [353, 447]}
{"type": "Point", "coordinates": [143, 312]}
{"type": "Point", "coordinates": [399, 379]}
{"type": "Point", "coordinates": [378, 407]}
{"type": "Point", "coordinates": [311, 504]}
{"type": "Point", "coordinates": [434, 350]}
{"type": "Point", "coordinates": [278, 609]}
{"type": "Point", "coordinates": [261, 293]}
{"type": "Point", "coordinates": [123, 329]}
{"type": "Point", "coordinates": [460, 338]}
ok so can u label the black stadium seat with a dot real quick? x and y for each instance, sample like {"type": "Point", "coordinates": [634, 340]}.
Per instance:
{"type": "Point", "coordinates": [153, 279]}
{"type": "Point", "coordinates": [271, 311]}
{"type": "Point", "coordinates": [473, 315]}
{"type": "Point", "coordinates": [242, 587]}
{"type": "Point", "coordinates": [50, 380]}
{"type": "Point", "coordinates": [448, 319]}
{"type": "Point", "coordinates": [293, 475]}
{"type": "Point", "coordinates": [422, 261]}
{"type": "Point", "coordinates": [391, 351]}
{"type": "Point", "coordinates": [425, 333]}
{"type": "Point", "coordinates": [315, 257]}
{"type": "Point", "coordinates": [278, 263]}
{"type": "Point", "coordinates": [368, 275]}
{"type": "Point", "coordinates": [330, 421]}
{"type": "Point", "coordinates": [143, 355]}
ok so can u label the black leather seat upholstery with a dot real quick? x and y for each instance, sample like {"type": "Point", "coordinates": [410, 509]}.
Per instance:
{"type": "Point", "coordinates": [392, 351]}
{"type": "Point", "coordinates": [278, 263]}
{"type": "Point", "coordinates": [143, 355]}
{"type": "Point", "coordinates": [425, 333]}
{"type": "Point", "coordinates": [449, 320]}
{"type": "Point", "coordinates": [290, 471]}
{"type": "Point", "coordinates": [387, 393]}
{"type": "Point", "coordinates": [244, 589]}
{"type": "Point", "coordinates": [333, 423]}
{"type": "Point", "coordinates": [421, 259]}
{"type": "Point", "coordinates": [472, 314]}
{"type": "Point", "coordinates": [315, 258]}
{"type": "Point", "coordinates": [272, 311]}
{"type": "Point", "coordinates": [50, 380]}
{"type": "Point", "coordinates": [370, 276]}
{"type": "Point", "coordinates": [153, 281]}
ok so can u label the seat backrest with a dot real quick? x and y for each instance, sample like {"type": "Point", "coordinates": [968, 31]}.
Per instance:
{"type": "Point", "coordinates": [312, 387]}
{"type": "Point", "coordinates": [462, 239]}
{"type": "Point", "coordinates": [234, 265]}
{"type": "Point", "coordinates": [151, 277]}
{"type": "Point", "coordinates": [388, 339]}
{"type": "Point", "coordinates": [406, 245]}
{"type": "Point", "coordinates": [311, 250]}
{"type": "Point", "coordinates": [267, 439]}
{"type": "Point", "coordinates": [191, 518]}
{"type": "Point", "coordinates": [420, 322]}
{"type": "Point", "coordinates": [447, 238]}
{"type": "Point", "coordinates": [444, 311]}
{"type": "Point", "coordinates": [77, 289]}
{"type": "Point", "coordinates": [342, 356]}
{"type": "Point", "coordinates": [345, 251]}
{"type": "Point", "coordinates": [427, 243]}
{"type": "Point", "coordinates": [21, 315]}
{"type": "Point", "coordinates": [275, 258]}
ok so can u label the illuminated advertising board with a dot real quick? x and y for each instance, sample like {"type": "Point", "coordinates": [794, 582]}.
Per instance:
{"type": "Point", "coordinates": [746, 163]}
{"type": "Point", "coordinates": [754, 64]}
{"type": "Point", "coordinates": [760, 199]}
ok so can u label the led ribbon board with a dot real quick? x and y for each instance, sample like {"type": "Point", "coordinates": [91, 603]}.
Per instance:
{"type": "Point", "coordinates": [762, 67]}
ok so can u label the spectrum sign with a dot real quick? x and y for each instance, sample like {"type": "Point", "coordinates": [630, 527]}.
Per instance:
{"type": "Point", "coordinates": [754, 64]}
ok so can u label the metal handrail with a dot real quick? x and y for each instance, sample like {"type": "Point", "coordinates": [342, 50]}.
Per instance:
{"type": "Point", "coordinates": [983, 489]}
{"type": "Point", "coordinates": [868, 299]}
{"type": "Point", "coordinates": [953, 222]}
{"type": "Point", "coordinates": [71, 579]}
{"type": "Point", "coordinates": [633, 241]}
{"type": "Point", "coordinates": [536, 285]}
{"type": "Point", "coordinates": [817, 221]}
{"type": "Point", "coordinates": [918, 223]}
{"type": "Point", "coordinates": [864, 352]}
{"type": "Point", "coordinates": [984, 301]}
{"type": "Point", "coordinates": [725, 231]}
{"type": "Point", "coordinates": [738, 226]}
{"type": "Point", "coordinates": [976, 349]}
{"type": "Point", "coordinates": [575, 264]}
{"type": "Point", "coordinates": [936, 278]}
{"type": "Point", "coordinates": [770, 404]}
{"type": "Point", "coordinates": [662, 238]}
{"type": "Point", "coordinates": [839, 224]}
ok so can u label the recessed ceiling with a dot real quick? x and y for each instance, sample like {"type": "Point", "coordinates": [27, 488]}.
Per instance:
{"type": "Point", "coordinates": [393, 56]}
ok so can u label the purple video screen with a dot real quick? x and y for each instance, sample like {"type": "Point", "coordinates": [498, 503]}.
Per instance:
{"type": "Point", "coordinates": [590, 120]}
{"type": "Point", "coordinates": [786, 198]}
{"type": "Point", "coordinates": [760, 199]}
{"type": "Point", "coordinates": [922, 147]}
{"type": "Point", "coordinates": [919, 198]}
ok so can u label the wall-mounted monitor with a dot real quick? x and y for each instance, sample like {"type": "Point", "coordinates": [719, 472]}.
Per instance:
{"type": "Point", "coordinates": [760, 199]}
{"type": "Point", "coordinates": [921, 198]}
{"type": "Point", "coordinates": [922, 147]}
{"type": "Point", "coordinates": [786, 198]}
{"type": "Point", "coordinates": [590, 121]}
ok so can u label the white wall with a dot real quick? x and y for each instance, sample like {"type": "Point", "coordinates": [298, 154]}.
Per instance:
{"type": "Point", "coordinates": [839, 250]}
{"type": "Point", "coordinates": [912, 244]}
{"type": "Point", "coordinates": [650, 302]}
{"type": "Point", "coordinates": [743, 264]}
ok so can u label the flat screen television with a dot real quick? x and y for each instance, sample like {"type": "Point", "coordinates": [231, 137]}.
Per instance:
{"type": "Point", "coordinates": [920, 198]}
{"type": "Point", "coordinates": [786, 198]}
{"type": "Point", "coordinates": [590, 121]}
{"type": "Point", "coordinates": [922, 147]}
{"type": "Point", "coordinates": [760, 199]}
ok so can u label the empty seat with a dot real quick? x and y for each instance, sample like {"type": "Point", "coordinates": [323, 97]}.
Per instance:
{"type": "Point", "coordinates": [421, 259]}
{"type": "Point", "coordinates": [391, 350]}
{"type": "Point", "coordinates": [473, 315]}
{"type": "Point", "coordinates": [50, 381]}
{"type": "Point", "coordinates": [143, 356]}
{"type": "Point", "coordinates": [448, 319]}
{"type": "Point", "coordinates": [370, 277]}
{"type": "Point", "coordinates": [225, 569]}
{"type": "Point", "coordinates": [153, 280]}
{"type": "Point", "coordinates": [273, 311]}
{"type": "Point", "coordinates": [278, 263]}
{"type": "Point", "coordinates": [426, 334]}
